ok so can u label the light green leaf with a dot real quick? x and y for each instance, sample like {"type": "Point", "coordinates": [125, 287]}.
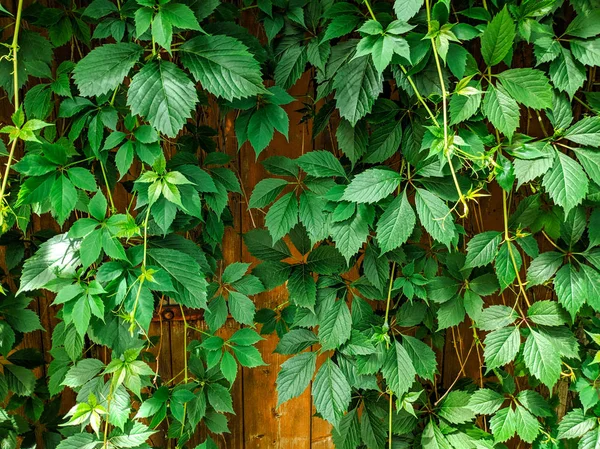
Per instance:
{"type": "Point", "coordinates": [570, 288]}
{"type": "Point", "coordinates": [543, 267]}
{"type": "Point", "coordinates": [485, 401]}
{"type": "Point", "coordinates": [173, 96]}
{"type": "Point", "coordinates": [585, 132]}
{"type": "Point", "coordinates": [57, 256]}
{"type": "Point", "coordinates": [501, 347]}
{"type": "Point", "coordinates": [575, 424]}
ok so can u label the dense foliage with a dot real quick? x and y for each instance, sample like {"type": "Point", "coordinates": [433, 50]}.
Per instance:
{"type": "Point", "coordinates": [419, 111]}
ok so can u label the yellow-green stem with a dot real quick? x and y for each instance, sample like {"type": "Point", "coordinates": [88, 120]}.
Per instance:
{"type": "Point", "coordinates": [370, 10]}
{"type": "Point", "coordinates": [110, 198]}
{"type": "Point", "coordinates": [389, 296]}
{"type": "Point", "coordinates": [461, 197]}
{"type": "Point", "coordinates": [390, 420]}
{"type": "Point", "coordinates": [510, 249]}
{"type": "Point", "coordinates": [11, 154]}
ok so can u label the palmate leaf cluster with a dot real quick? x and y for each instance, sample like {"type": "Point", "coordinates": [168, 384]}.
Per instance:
{"type": "Point", "coordinates": [421, 114]}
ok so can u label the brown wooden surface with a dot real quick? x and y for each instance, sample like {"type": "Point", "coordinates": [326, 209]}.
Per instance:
{"type": "Point", "coordinates": [258, 423]}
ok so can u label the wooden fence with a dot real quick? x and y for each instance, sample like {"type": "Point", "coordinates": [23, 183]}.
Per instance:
{"type": "Point", "coordinates": [258, 422]}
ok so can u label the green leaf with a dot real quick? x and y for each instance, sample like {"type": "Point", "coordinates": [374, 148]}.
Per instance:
{"type": "Point", "coordinates": [173, 96]}
{"type": "Point", "coordinates": [590, 159]}
{"type": "Point", "coordinates": [384, 142]}
{"type": "Point", "coordinates": [570, 287]}
{"type": "Point", "coordinates": [331, 392]}
{"type": "Point", "coordinates": [266, 191]}
{"type": "Point", "coordinates": [435, 216]}
{"type": "Point", "coordinates": [302, 288]}
{"type": "Point", "coordinates": [20, 380]}
{"type": "Point", "coordinates": [295, 375]}
{"type": "Point", "coordinates": [542, 360]}
{"type": "Point", "coordinates": [503, 424]}
{"type": "Point", "coordinates": [495, 317]}
{"type": "Point", "coordinates": [585, 132]}
{"type": "Point", "coordinates": [527, 425]}
{"type": "Point", "coordinates": [501, 347]}
{"type": "Point", "coordinates": [352, 140]}
{"type": "Point", "coordinates": [290, 67]}
{"type": "Point", "coordinates": [82, 372]}
{"type": "Point", "coordinates": [529, 87]}
{"type": "Point", "coordinates": [407, 9]}
{"type": "Point", "coordinates": [220, 398]}
{"type": "Point", "coordinates": [398, 370]}
{"type": "Point", "coordinates": [433, 438]}
{"type": "Point", "coordinates": [103, 69]}
{"type": "Point", "coordinates": [575, 424]}
{"type": "Point", "coordinates": [241, 307]}
{"type": "Point", "coordinates": [57, 256]}
{"type": "Point", "coordinates": [321, 164]}
{"type": "Point", "coordinates": [501, 110]}
{"type": "Point", "coordinates": [396, 224]}
{"type": "Point", "coordinates": [547, 313]}
{"type": "Point", "coordinates": [566, 182]}
{"type": "Point", "coordinates": [282, 216]}
{"type": "Point", "coordinates": [372, 185]}
{"type": "Point", "coordinates": [482, 248]}
{"type": "Point", "coordinates": [498, 38]}
{"type": "Point", "coordinates": [335, 325]}
{"type": "Point", "coordinates": [261, 246]}
{"type": "Point", "coordinates": [455, 407]}
{"type": "Point", "coordinates": [349, 235]}
{"type": "Point", "coordinates": [422, 356]}
{"type": "Point", "coordinates": [585, 25]}
{"type": "Point", "coordinates": [248, 356]}
{"type": "Point", "coordinates": [586, 52]}
{"type": "Point", "coordinates": [566, 74]}
{"type": "Point", "coordinates": [485, 401]}
{"type": "Point", "coordinates": [223, 65]}
{"type": "Point", "coordinates": [346, 435]}
{"type": "Point", "coordinates": [357, 85]}
{"type": "Point", "coordinates": [63, 197]}
{"type": "Point", "coordinates": [189, 281]}
{"type": "Point", "coordinates": [543, 267]}
{"type": "Point", "coordinates": [295, 341]}
{"type": "Point", "coordinates": [340, 26]}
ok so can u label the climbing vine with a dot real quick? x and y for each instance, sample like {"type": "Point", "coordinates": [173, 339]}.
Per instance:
{"type": "Point", "coordinates": [419, 114]}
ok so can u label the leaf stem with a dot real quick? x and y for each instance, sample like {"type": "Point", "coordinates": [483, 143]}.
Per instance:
{"type": "Point", "coordinates": [110, 198]}
{"type": "Point", "coordinates": [461, 197]}
{"type": "Point", "coordinates": [15, 50]}
{"type": "Point", "coordinates": [389, 295]}
{"type": "Point", "coordinates": [370, 10]}
{"type": "Point", "coordinates": [510, 250]}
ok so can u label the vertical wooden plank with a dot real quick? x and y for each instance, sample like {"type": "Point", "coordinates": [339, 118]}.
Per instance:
{"type": "Point", "coordinates": [267, 426]}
